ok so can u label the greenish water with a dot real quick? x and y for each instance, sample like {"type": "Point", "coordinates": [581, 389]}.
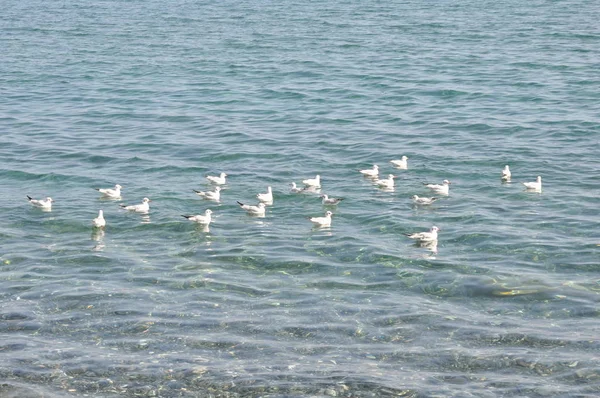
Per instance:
{"type": "Point", "coordinates": [156, 95]}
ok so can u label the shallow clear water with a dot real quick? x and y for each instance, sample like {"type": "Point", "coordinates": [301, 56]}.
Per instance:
{"type": "Point", "coordinates": [156, 95]}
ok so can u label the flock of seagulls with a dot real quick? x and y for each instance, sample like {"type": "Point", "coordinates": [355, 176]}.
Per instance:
{"type": "Point", "coordinates": [426, 239]}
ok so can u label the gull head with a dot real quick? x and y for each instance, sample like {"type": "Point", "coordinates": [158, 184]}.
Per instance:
{"type": "Point", "coordinates": [328, 214]}
{"type": "Point", "coordinates": [391, 176]}
{"type": "Point", "coordinates": [223, 175]}
{"type": "Point", "coordinates": [118, 186]}
{"type": "Point", "coordinates": [375, 167]}
{"type": "Point", "coordinates": [49, 199]}
{"type": "Point", "coordinates": [404, 157]}
{"type": "Point", "coordinates": [434, 229]}
{"type": "Point", "coordinates": [539, 179]}
{"type": "Point", "coordinates": [261, 205]}
{"type": "Point", "coordinates": [446, 182]}
{"type": "Point", "coordinates": [415, 197]}
{"type": "Point", "coordinates": [217, 189]}
{"type": "Point", "coordinates": [208, 212]}
{"type": "Point", "coordinates": [146, 200]}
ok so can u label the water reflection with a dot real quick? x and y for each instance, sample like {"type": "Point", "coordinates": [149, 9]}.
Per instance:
{"type": "Point", "coordinates": [98, 237]}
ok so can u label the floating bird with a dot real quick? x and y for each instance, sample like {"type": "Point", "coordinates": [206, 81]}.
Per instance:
{"type": "Point", "coordinates": [534, 186]}
{"type": "Point", "coordinates": [258, 210]}
{"type": "Point", "coordinates": [322, 221]}
{"type": "Point", "coordinates": [210, 195]}
{"type": "Point", "coordinates": [313, 182]}
{"type": "Point", "coordinates": [45, 204]}
{"type": "Point", "coordinates": [327, 201]}
{"type": "Point", "coordinates": [266, 197]}
{"type": "Point", "coordinates": [371, 173]}
{"type": "Point", "coordinates": [111, 192]}
{"type": "Point", "coordinates": [295, 189]}
{"type": "Point", "coordinates": [425, 236]}
{"type": "Point", "coordinates": [422, 200]}
{"type": "Point", "coordinates": [201, 219]}
{"type": "Point", "coordinates": [99, 222]}
{"type": "Point", "coordinates": [443, 189]}
{"type": "Point", "coordinates": [386, 183]}
{"type": "Point", "coordinates": [219, 180]}
{"type": "Point", "coordinates": [401, 163]}
{"type": "Point", "coordinates": [506, 174]}
{"type": "Point", "coordinates": [144, 207]}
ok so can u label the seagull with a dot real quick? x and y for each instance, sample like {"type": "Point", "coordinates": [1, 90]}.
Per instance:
{"type": "Point", "coordinates": [371, 173]}
{"type": "Point", "coordinates": [201, 219]}
{"type": "Point", "coordinates": [99, 222]}
{"type": "Point", "coordinates": [210, 195]}
{"type": "Point", "coordinates": [423, 201]}
{"type": "Point", "coordinates": [111, 192]}
{"type": "Point", "coordinates": [401, 163]}
{"type": "Point", "coordinates": [266, 197]}
{"type": "Point", "coordinates": [144, 207]}
{"type": "Point", "coordinates": [295, 189]}
{"type": "Point", "coordinates": [534, 186]}
{"type": "Point", "coordinates": [322, 221]}
{"type": "Point", "coordinates": [258, 210]}
{"type": "Point", "coordinates": [425, 236]}
{"type": "Point", "coordinates": [443, 189]}
{"type": "Point", "coordinates": [386, 183]}
{"type": "Point", "coordinates": [219, 180]}
{"type": "Point", "coordinates": [45, 204]}
{"type": "Point", "coordinates": [330, 201]}
{"type": "Point", "coordinates": [506, 174]}
{"type": "Point", "coordinates": [313, 182]}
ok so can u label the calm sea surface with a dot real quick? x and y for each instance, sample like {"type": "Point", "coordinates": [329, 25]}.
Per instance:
{"type": "Point", "coordinates": [155, 95]}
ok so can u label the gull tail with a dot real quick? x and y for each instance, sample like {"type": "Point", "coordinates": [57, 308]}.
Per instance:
{"type": "Point", "coordinates": [123, 206]}
{"type": "Point", "coordinates": [240, 203]}
{"type": "Point", "coordinates": [29, 197]}
{"type": "Point", "coordinates": [188, 217]}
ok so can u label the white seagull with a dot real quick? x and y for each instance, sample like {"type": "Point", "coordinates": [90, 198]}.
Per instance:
{"type": "Point", "coordinates": [401, 163]}
{"type": "Point", "coordinates": [295, 189]}
{"type": "Point", "coordinates": [313, 182]}
{"type": "Point", "coordinates": [322, 221]}
{"type": "Point", "coordinates": [327, 201]}
{"type": "Point", "coordinates": [45, 204]}
{"type": "Point", "coordinates": [443, 189]}
{"type": "Point", "coordinates": [386, 183]}
{"type": "Point", "coordinates": [266, 197]}
{"type": "Point", "coordinates": [201, 219]}
{"type": "Point", "coordinates": [210, 195]}
{"type": "Point", "coordinates": [425, 236]}
{"type": "Point", "coordinates": [422, 200]}
{"type": "Point", "coordinates": [99, 222]}
{"type": "Point", "coordinates": [111, 192]}
{"type": "Point", "coordinates": [506, 174]}
{"type": "Point", "coordinates": [371, 173]}
{"type": "Point", "coordinates": [258, 210]}
{"type": "Point", "coordinates": [144, 207]}
{"type": "Point", "coordinates": [219, 180]}
{"type": "Point", "coordinates": [534, 186]}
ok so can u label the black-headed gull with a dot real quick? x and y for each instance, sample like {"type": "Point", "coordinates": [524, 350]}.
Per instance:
{"type": "Point", "coordinates": [45, 204]}
{"type": "Point", "coordinates": [111, 192]}
{"type": "Point", "coordinates": [313, 182]}
{"type": "Point", "coordinates": [506, 174]}
{"type": "Point", "coordinates": [371, 173]}
{"type": "Point", "coordinates": [295, 189]}
{"type": "Point", "coordinates": [258, 210]}
{"type": "Point", "coordinates": [534, 186]}
{"type": "Point", "coordinates": [201, 218]}
{"type": "Point", "coordinates": [327, 201]}
{"type": "Point", "coordinates": [266, 197]}
{"type": "Point", "coordinates": [99, 222]}
{"type": "Point", "coordinates": [443, 188]}
{"type": "Point", "coordinates": [219, 180]}
{"type": "Point", "coordinates": [210, 195]}
{"type": "Point", "coordinates": [423, 200]}
{"type": "Point", "coordinates": [400, 163]}
{"type": "Point", "coordinates": [143, 207]}
{"type": "Point", "coordinates": [425, 236]}
{"type": "Point", "coordinates": [386, 182]}
{"type": "Point", "coordinates": [322, 221]}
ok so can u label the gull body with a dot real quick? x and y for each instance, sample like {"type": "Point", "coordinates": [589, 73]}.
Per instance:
{"type": "Point", "coordinates": [506, 174]}
{"type": "Point", "coordinates": [258, 210]}
{"type": "Point", "coordinates": [400, 163]}
{"type": "Point", "coordinates": [534, 186]}
{"type": "Point", "coordinates": [266, 197]}
{"type": "Point", "coordinates": [443, 188]}
{"type": "Point", "coordinates": [322, 221]}
{"type": "Point", "coordinates": [210, 195]}
{"type": "Point", "coordinates": [422, 200]}
{"type": "Point", "coordinates": [387, 182]}
{"type": "Point", "coordinates": [313, 182]}
{"type": "Point", "coordinates": [99, 222]}
{"type": "Point", "coordinates": [219, 180]}
{"type": "Point", "coordinates": [425, 236]}
{"type": "Point", "coordinates": [143, 207]}
{"type": "Point", "coordinates": [371, 173]}
{"type": "Point", "coordinates": [201, 218]}
{"type": "Point", "coordinates": [327, 201]}
{"type": "Point", "coordinates": [111, 192]}
{"type": "Point", "coordinates": [45, 204]}
{"type": "Point", "coordinates": [295, 189]}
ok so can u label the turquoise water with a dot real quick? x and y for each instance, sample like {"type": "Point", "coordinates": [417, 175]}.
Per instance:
{"type": "Point", "coordinates": [156, 95]}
